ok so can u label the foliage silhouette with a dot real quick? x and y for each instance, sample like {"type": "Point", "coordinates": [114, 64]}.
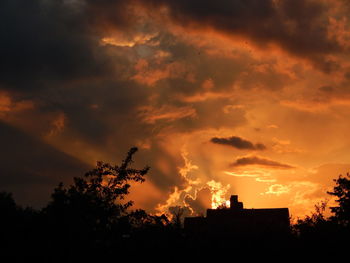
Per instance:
{"type": "Point", "coordinates": [342, 192]}
{"type": "Point", "coordinates": [92, 212]}
{"type": "Point", "coordinates": [95, 200]}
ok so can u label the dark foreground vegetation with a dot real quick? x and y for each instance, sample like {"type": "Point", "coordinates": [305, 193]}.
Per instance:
{"type": "Point", "coordinates": [90, 221]}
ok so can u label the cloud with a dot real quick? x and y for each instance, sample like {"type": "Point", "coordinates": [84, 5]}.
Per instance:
{"type": "Point", "coordinates": [48, 41]}
{"type": "Point", "coordinates": [255, 160]}
{"type": "Point", "coordinates": [284, 146]}
{"type": "Point", "coordinates": [8, 105]}
{"type": "Point", "coordinates": [300, 27]}
{"type": "Point", "coordinates": [278, 189]}
{"type": "Point", "coordinates": [167, 113]}
{"type": "Point", "coordinates": [238, 143]}
{"type": "Point", "coordinates": [59, 40]}
{"type": "Point", "coordinates": [260, 176]}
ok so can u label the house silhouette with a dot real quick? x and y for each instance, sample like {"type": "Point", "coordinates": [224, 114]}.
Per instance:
{"type": "Point", "coordinates": [239, 222]}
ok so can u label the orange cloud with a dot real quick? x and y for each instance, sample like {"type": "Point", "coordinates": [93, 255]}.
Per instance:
{"type": "Point", "coordinates": [8, 105]}
{"type": "Point", "coordinates": [277, 189]}
{"type": "Point", "coordinates": [149, 76]}
{"type": "Point", "coordinates": [151, 114]}
{"type": "Point", "coordinates": [57, 125]}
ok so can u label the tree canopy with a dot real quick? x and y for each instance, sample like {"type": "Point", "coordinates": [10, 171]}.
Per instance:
{"type": "Point", "coordinates": [342, 192]}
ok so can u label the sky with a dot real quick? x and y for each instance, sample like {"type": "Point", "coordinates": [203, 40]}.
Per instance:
{"type": "Point", "coordinates": [222, 97]}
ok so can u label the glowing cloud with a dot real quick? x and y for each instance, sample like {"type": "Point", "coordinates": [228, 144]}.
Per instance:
{"type": "Point", "coordinates": [260, 176]}
{"type": "Point", "coordinates": [218, 192]}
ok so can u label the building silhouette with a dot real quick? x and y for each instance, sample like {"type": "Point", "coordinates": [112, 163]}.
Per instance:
{"type": "Point", "coordinates": [237, 221]}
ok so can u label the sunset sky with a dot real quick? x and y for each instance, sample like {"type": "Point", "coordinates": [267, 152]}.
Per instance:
{"type": "Point", "coordinates": [246, 97]}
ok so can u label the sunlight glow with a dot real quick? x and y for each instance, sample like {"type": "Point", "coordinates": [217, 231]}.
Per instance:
{"type": "Point", "coordinates": [218, 192]}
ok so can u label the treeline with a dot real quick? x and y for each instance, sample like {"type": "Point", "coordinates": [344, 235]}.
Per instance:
{"type": "Point", "coordinates": [90, 220]}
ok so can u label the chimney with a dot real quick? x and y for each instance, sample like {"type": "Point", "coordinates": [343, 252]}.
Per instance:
{"type": "Point", "coordinates": [234, 204]}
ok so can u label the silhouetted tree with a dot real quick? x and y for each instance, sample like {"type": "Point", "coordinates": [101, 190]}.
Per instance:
{"type": "Point", "coordinates": [91, 211]}
{"type": "Point", "coordinates": [342, 192]}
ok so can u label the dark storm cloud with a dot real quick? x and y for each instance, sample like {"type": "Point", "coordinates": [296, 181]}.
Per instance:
{"type": "Point", "coordinates": [238, 143]}
{"type": "Point", "coordinates": [254, 160]}
{"type": "Point", "coordinates": [49, 41]}
{"type": "Point", "coordinates": [298, 26]}
{"type": "Point", "coordinates": [51, 54]}
{"type": "Point", "coordinates": [45, 41]}
{"type": "Point", "coordinates": [31, 169]}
